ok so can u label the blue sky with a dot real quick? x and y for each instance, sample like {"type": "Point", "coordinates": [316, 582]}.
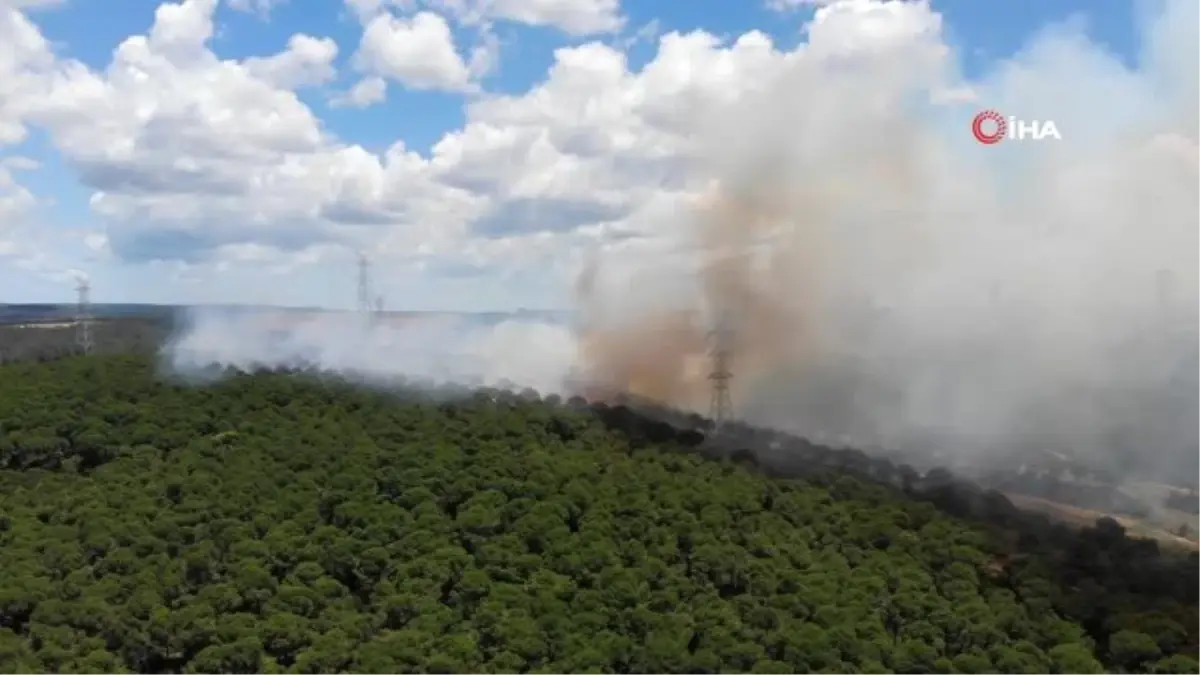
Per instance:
{"type": "Point", "coordinates": [179, 222]}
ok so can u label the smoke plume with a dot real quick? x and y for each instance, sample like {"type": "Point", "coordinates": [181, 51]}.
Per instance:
{"type": "Point", "coordinates": [883, 276]}
{"type": "Point", "coordinates": [444, 349]}
{"type": "Point", "coordinates": [889, 282]}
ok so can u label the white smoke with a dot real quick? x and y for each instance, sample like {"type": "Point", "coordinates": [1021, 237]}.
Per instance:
{"type": "Point", "coordinates": [450, 349]}
{"type": "Point", "coordinates": [973, 298]}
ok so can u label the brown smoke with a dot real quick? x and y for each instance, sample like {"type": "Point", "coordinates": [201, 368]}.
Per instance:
{"type": "Point", "coordinates": [753, 279]}
{"type": "Point", "coordinates": [769, 249]}
{"type": "Point", "coordinates": [798, 215]}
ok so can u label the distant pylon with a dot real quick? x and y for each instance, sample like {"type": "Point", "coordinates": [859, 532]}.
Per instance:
{"type": "Point", "coordinates": [721, 406]}
{"type": "Point", "coordinates": [364, 284]}
{"type": "Point", "coordinates": [83, 317]}
{"type": "Point", "coordinates": [369, 305]}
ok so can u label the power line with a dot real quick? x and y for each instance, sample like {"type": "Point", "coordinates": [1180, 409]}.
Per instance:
{"type": "Point", "coordinates": [83, 316]}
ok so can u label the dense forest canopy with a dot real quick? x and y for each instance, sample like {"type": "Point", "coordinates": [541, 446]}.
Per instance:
{"type": "Point", "coordinates": [277, 522]}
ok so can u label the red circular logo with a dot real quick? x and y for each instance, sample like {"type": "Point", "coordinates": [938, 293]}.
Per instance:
{"type": "Point", "coordinates": [984, 136]}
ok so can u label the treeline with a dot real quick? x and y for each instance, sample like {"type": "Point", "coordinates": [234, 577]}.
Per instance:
{"type": "Point", "coordinates": [291, 522]}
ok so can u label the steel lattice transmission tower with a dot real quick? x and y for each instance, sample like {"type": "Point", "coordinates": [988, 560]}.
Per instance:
{"type": "Point", "coordinates": [369, 305]}
{"type": "Point", "coordinates": [721, 353]}
{"type": "Point", "coordinates": [83, 316]}
{"type": "Point", "coordinates": [364, 284]}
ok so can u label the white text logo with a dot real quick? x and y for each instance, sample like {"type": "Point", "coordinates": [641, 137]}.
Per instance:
{"type": "Point", "coordinates": [990, 127]}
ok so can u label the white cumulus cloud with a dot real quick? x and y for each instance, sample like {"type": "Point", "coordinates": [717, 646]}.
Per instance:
{"type": "Point", "coordinates": [366, 92]}
{"type": "Point", "coordinates": [418, 51]}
